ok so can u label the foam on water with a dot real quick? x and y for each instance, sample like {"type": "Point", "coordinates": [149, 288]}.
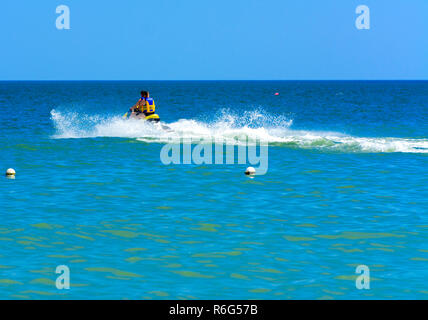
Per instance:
{"type": "Point", "coordinates": [228, 127]}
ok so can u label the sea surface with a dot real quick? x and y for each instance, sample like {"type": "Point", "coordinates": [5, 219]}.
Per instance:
{"type": "Point", "coordinates": [346, 185]}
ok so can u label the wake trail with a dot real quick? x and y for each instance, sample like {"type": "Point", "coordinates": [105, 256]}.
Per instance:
{"type": "Point", "coordinates": [251, 126]}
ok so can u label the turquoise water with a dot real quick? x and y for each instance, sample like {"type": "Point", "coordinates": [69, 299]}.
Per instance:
{"type": "Point", "coordinates": [346, 185]}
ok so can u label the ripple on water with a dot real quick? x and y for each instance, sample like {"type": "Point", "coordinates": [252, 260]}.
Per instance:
{"type": "Point", "coordinates": [116, 272]}
{"type": "Point", "coordinates": [192, 274]}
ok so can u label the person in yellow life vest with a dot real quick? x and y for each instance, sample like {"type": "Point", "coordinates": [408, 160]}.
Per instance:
{"type": "Point", "coordinates": [145, 105]}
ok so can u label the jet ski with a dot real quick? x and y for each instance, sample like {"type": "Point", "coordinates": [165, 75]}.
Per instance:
{"type": "Point", "coordinates": [151, 118]}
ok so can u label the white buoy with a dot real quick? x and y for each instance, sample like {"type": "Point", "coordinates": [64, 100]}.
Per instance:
{"type": "Point", "coordinates": [10, 172]}
{"type": "Point", "coordinates": [250, 171]}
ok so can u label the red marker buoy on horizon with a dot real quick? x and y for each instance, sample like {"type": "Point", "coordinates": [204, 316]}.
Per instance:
{"type": "Point", "coordinates": [277, 93]}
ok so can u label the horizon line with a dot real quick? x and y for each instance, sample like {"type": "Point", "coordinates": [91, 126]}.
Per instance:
{"type": "Point", "coordinates": [164, 80]}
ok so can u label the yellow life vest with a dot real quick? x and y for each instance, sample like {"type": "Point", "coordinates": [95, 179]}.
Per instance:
{"type": "Point", "coordinates": [149, 107]}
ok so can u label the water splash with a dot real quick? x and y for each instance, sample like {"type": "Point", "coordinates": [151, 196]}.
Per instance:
{"type": "Point", "coordinates": [227, 127]}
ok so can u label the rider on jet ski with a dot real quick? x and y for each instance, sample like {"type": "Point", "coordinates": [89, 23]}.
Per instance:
{"type": "Point", "coordinates": [145, 107]}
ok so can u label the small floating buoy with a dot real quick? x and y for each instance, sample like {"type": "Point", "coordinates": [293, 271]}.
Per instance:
{"type": "Point", "coordinates": [277, 93]}
{"type": "Point", "coordinates": [250, 171]}
{"type": "Point", "coordinates": [10, 173]}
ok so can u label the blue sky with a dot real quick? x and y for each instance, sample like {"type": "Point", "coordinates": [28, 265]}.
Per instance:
{"type": "Point", "coordinates": [221, 39]}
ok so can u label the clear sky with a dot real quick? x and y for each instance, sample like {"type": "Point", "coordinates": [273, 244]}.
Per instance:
{"type": "Point", "coordinates": [213, 39]}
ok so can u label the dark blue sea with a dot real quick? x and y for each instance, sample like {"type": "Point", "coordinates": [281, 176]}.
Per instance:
{"type": "Point", "coordinates": [346, 185]}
